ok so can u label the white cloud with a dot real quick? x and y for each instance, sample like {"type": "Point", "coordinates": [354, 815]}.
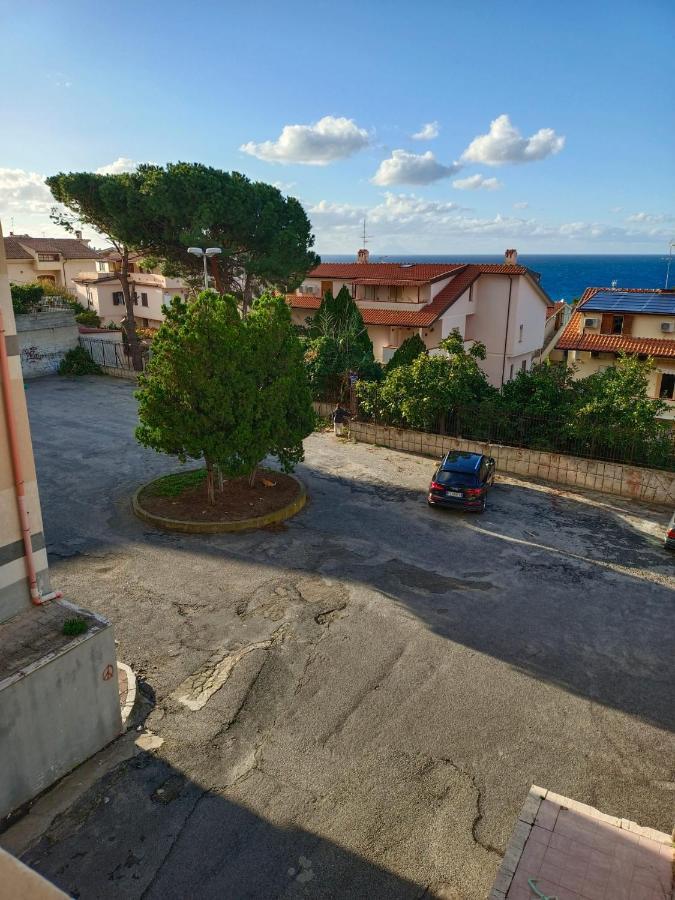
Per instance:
{"type": "Point", "coordinates": [412, 168]}
{"type": "Point", "coordinates": [505, 144]}
{"type": "Point", "coordinates": [24, 192]}
{"type": "Point", "coordinates": [476, 183]}
{"type": "Point", "coordinates": [406, 223]}
{"type": "Point", "coordinates": [616, 209]}
{"type": "Point", "coordinates": [121, 164]}
{"type": "Point", "coordinates": [319, 144]}
{"type": "Point", "coordinates": [648, 218]}
{"type": "Point", "coordinates": [521, 204]}
{"type": "Point", "coordinates": [427, 132]}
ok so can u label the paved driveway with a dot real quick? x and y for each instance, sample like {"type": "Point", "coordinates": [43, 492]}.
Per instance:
{"type": "Point", "coordinates": [371, 689]}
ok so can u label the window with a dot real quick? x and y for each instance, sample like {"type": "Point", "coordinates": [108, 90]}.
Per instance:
{"type": "Point", "coordinates": [369, 292]}
{"type": "Point", "coordinates": [511, 373]}
{"type": "Point", "coordinates": [144, 323]}
{"type": "Point", "coordinates": [595, 354]}
{"type": "Point", "coordinates": [667, 390]}
{"type": "Point", "coordinates": [144, 299]}
{"type": "Point", "coordinates": [617, 324]}
{"type": "Point", "coordinates": [395, 292]}
{"type": "Point", "coordinates": [101, 266]}
{"type": "Point", "coordinates": [135, 297]}
{"type": "Point", "coordinates": [523, 365]}
{"type": "Point", "coordinates": [520, 334]}
{"type": "Point", "coordinates": [118, 298]}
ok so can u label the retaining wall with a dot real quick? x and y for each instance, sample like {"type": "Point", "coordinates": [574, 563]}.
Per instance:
{"type": "Point", "coordinates": [649, 485]}
{"type": "Point", "coordinates": [44, 339]}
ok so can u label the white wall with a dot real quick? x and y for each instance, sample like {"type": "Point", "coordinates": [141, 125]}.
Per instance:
{"type": "Point", "coordinates": [44, 339]}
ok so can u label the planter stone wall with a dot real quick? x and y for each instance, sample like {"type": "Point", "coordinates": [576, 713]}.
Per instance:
{"type": "Point", "coordinates": [648, 485]}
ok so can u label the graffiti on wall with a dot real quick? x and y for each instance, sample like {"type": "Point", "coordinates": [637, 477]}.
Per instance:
{"type": "Point", "coordinates": [35, 361]}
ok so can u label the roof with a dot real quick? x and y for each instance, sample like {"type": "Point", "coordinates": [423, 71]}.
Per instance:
{"type": "Point", "coordinates": [69, 248]}
{"type": "Point", "coordinates": [461, 461]}
{"type": "Point", "coordinates": [94, 278]}
{"type": "Point", "coordinates": [14, 250]}
{"type": "Point", "coordinates": [407, 318]}
{"type": "Point", "coordinates": [645, 301]}
{"type": "Point", "coordinates": [573, 338]}
{"type": "Point", "coordinates": [405, 273]}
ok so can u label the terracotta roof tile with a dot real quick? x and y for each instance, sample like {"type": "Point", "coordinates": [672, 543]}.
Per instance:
{"type": "Point", "coordinates": [412, 318]}
{"type": "Point", "coordinates": [573, 338]}
{"type": "Point", "coordinates": [14, 250]}
{"type": "Point", "coordinates": [417, 272]}
{"type": "Point", "coordinates": [69, 248]}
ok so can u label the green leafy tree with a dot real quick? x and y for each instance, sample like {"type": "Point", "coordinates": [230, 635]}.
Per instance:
{"type": "Point", "coordinates": [115, 206]}
{"type": "Point", "coordinates": [338, 344]}
{"type": "Point", "coordinates": [409, 350]}
{"type": "Point", "coordinates": [422, 394]}
{"type": "Point", "coordinates": [615, 415]}
{"type": "Point", "coordinates": [265, 237]}
{"type": "Point", "coordinates": [225, 389]}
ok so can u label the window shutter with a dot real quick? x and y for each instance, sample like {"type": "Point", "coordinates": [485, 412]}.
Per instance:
{"type": "Point", "coordinates": [627, 325]}
{"type": "Point", "coordinates": [606, 324]}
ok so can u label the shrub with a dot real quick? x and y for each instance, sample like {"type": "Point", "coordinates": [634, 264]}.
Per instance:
{"type": "Point", "coordinates": [26, 296]}
{"type": "Point", "coordinates": [409, 350]}
{"type": "Point", "coordinates": [88, 317]}
{"type": "Point", "coordinates": [73, 627]}
{"type": "Point", "coordinates": [78, 362]}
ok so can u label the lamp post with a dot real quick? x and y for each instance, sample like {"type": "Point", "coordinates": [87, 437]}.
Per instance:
{"type": "Point", "coordinates": [205, 254]}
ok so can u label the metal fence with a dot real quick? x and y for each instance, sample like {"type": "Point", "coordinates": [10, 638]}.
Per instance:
{"type": "Point", "coordinates": [112, 354]}
{"type": "Point", "coordinates": [569, 435]}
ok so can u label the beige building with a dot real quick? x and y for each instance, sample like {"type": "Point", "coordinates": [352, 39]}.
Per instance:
{"type": "Point", "coordinates": [608, 321]}
{"type": "Point", "coordinates": [59, 699]}
{"type": "Point", "coordinates": [502, 305]}
{"type": "Point", "coordinates": [58, 261]}
{"type": "Point", "coordinates": [102, 290]}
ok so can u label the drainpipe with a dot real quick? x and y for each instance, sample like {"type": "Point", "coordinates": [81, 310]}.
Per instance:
{"type": "Point", "coordinates": [506, 330]}
{"type": "Point", "coordinates": [36, 597]}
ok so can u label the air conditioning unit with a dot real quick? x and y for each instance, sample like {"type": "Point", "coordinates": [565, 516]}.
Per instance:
{"type": "Point", "coordinates": [591, 323]}
{"type": "Point", "coordinates": [667, 326]}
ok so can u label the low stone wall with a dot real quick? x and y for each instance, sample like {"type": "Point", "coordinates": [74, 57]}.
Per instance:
{"type": "Point", "coordinates": [44, 339]}
{"type": "Point", "coordinates": [649, 485]}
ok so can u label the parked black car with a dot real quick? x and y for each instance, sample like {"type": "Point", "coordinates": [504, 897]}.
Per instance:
{"type": "Point", "coordinates": [669, 540]}
{"type": "Point", "coordinates": [462, 480]}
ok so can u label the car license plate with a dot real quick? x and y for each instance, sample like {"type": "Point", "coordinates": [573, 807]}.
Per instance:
{"type": "Point", "coordinates": [453, 494]}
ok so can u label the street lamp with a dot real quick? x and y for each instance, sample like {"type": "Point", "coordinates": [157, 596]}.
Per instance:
{"type": "Point", "coordinates": [206, 254]}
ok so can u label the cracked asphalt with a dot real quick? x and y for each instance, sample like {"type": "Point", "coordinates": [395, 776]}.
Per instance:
{"type": "Point", "coordinates": [353, 704]}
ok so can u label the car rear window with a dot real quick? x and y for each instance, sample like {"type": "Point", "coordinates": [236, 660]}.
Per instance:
{"type": "Point", "coordinates": [456, 479]}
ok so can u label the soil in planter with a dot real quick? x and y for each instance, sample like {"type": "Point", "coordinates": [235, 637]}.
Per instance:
{"type": "Point", "coordinates": [183, 496]}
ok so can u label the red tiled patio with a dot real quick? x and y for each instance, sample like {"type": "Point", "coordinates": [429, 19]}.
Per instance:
{"type": "Point", "coordinates": [566, 850]}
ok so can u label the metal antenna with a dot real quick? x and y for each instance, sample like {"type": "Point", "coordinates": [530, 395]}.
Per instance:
{"type": "Point", "coordinates": [670, 256]}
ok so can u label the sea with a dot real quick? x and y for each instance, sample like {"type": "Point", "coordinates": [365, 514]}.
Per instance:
{"type": "Point", "coordinates": [564, 277]}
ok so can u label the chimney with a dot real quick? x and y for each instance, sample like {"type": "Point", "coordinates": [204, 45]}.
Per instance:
{"type": "Point", "coordinates": [511, 258]}
{"type": "Point", "coordinates": [78, 235]}
{"type": "Point", "coordinates": [362, 256]}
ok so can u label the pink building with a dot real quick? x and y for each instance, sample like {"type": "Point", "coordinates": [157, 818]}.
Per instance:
{"type": "Point", "coordinates": [503, 305]}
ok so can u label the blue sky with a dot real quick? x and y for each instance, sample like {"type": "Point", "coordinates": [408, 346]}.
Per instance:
{"type": "Point", "coordinates": [549, 126]}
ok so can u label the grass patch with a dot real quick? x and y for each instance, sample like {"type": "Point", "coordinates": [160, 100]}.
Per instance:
{"type": "Point", "coordinates": [174, 485]}
{"type": "Point", "coordinates": [73, 627]}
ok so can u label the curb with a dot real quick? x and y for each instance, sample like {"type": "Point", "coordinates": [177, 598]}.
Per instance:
{"type": "Point", "coordinates": [131, 692]}
{"type": "Point", "coordinates": [192, 527]}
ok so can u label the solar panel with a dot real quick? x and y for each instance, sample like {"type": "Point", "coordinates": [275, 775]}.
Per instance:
{"type": "Point", "coordinates": [630, 302]}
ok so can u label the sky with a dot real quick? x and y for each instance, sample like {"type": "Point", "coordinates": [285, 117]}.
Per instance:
{"type": "Point", "coordinates": [452, 127]}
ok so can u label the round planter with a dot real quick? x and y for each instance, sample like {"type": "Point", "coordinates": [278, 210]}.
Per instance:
{"type": "Point", "coordinates": [193, 527]}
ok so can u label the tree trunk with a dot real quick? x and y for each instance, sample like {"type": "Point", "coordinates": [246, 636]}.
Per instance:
{"type": "Point", "coordinates": [251, 477]}
{"type": "Point", "coordinates": [215, 272]}
{"type": "Point", "coordinates": [221, 480]}
{"type": "Point", "coordinates": [210, 488]}
{"type": "Point", "coordinates": [246, 295]}
{"type": "Point", "coordinates": [130, 322]}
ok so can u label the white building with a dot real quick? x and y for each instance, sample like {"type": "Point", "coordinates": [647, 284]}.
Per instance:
{"type": "Point", "coordinates": [502, 305]}
{"type": "Point", "coordinates": [58, 261]}
{"type": "Point", "coordinates": [609, 321]}
{"type": "Point", "coordinates": [102, 291]}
